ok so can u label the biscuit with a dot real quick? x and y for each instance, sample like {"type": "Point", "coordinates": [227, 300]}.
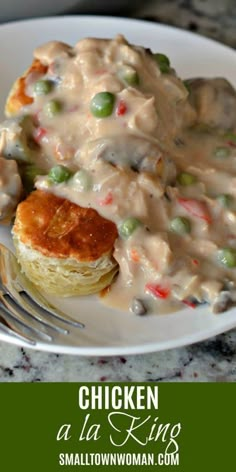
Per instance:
{"type": "Point", "coordinates": [18, 97]}
{"type": "Point", "coordinates": [63, 248]}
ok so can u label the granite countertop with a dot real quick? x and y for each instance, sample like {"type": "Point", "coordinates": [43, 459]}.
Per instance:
{"type": "Point", "coordinates": [210, 361]}
{"type": "Point", "coordinates": [213, 360]}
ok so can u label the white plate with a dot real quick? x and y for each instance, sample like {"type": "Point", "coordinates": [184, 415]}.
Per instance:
{"type": "Point", "coordinates": [110, 332]}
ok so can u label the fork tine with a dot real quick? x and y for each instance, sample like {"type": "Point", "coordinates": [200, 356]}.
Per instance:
{"type": "Point", "coordinates": [33, 311]}
{"type": "Point", "coordinates": [12, 332]}
{"type": "Point", "coordinates": [15, 314]}
{"type": "Point", "coordinates": [48, 308]}
{"type": "Point", "coordinates": [24, 293]}
{"type": "Point", "coordinates": [8, 326]}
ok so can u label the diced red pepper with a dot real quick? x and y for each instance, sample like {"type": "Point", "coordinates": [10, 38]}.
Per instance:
{"type": "Point", "coordinates": [134, 255]}
{"type": "Point", "coordinates": [121, 108]}
{"type": "Point", "coordinates": [189, 303]}
{"type": "Point", "coordinates": [231, 144]}
{"type": "Point", "coordinates": [100, 71]}
{"type": "Point", "coordinates": [195, 262]}
{"type": "Point", "coordinates": [107, 200]}
{"type": "Point", "coordinates": [39, 134]}
{"type": "Point", "coordinates": [195, 208]}
{"type": "Point", "coordinates": [158, 291]}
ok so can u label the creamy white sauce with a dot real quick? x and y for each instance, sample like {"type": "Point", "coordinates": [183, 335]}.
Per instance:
{"type": "Point", "coordinates": [133, 158]}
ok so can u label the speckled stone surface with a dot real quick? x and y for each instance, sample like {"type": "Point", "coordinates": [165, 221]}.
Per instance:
{"type": "Point", "coordinates": [210, 361]}
{"type": "Point", "coordinates": [213, 18]}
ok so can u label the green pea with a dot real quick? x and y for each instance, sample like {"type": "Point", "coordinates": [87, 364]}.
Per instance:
{"type": "Point", "coordinates": [230, 137]}
{"type": "Point", "coordinates": [221, 152]}
{"type": "Point", "coordinates": [227, 257]}
{"type": "Point", "coordinates": [82, 180]}
{"type": "Point", "coordinates": [163, 62]}
{"type": "Point", "coordinates": [128, 226]}
{"type": "Point", "coordinates": [52, 108]}
{"type": "Point", "coordinates": [102, 104]}
{"type": "Point", "coordinates": [225, 200]}
{"type": "Point", "coordinates": [184, 178]}
{"type": "Point", "coordinates": [59, 174]}
{"type": "Point", "coordinates": [180, 225]}
{"type": "Point", "coordinates": [130, 76]}
{"type": "Point", "coordinates": [43, 87]}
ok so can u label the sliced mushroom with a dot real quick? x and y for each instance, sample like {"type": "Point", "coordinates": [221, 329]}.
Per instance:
{"type": "Point", "coordinates": [222, 302]}
{"type": "Point", "coordinates": [138, 307]}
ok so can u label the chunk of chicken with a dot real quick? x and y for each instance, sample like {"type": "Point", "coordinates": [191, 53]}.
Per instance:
{"type": "Point", "coordinates": [214, 101]}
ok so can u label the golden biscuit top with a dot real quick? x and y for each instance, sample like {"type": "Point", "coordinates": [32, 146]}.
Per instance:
{"type": "Point", "coordinates": [58, 228]}
{"type": "Point", "coordinates": [18, 97]}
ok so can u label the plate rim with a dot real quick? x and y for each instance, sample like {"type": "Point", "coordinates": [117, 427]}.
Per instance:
{"type": "Point", "coordinates": [108, 351]}
{"type": "Point", "coordinates": [120, 19]}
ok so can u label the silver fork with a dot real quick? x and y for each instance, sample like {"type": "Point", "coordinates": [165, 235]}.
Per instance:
{"type": "Point", "coordinates": [24, 312]}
